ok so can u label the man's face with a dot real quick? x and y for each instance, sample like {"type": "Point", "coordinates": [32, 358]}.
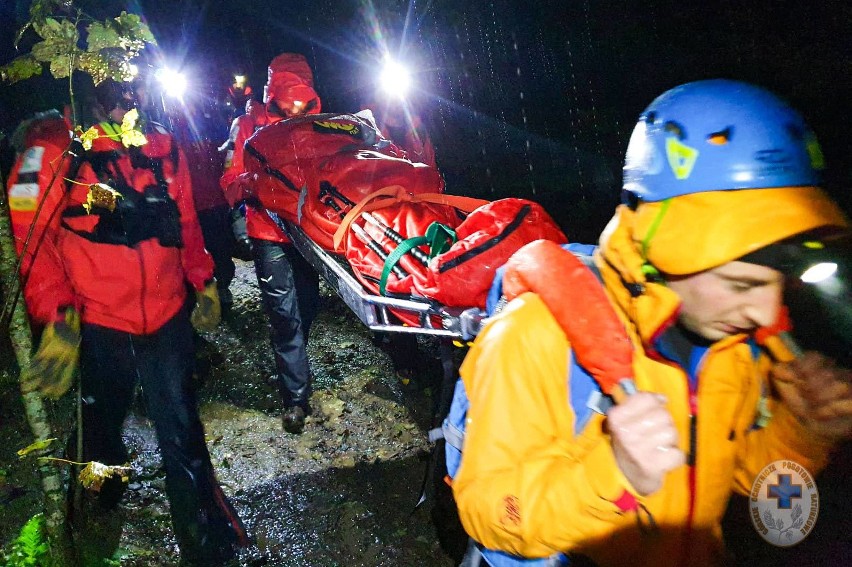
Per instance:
{"type": "Point", "coordinates": [288, 108]}
{"type": "Point", "coordinates": [733, 298]}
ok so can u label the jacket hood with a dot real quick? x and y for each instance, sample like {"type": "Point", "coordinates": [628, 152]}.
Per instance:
{"type": "Point", "coordinates": [290, 82]}
{"type": "Point", "coordinates": [294, 63]}
{"type": "Point", "coordinates": [696, 232]}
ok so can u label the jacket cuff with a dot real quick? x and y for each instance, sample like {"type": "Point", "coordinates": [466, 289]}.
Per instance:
{"type": "Point", "coordinates": [59, 314]}
{"type": "Point", "coordinates": [607, 480]}
{"type": "Point", "coordinates": [199, 277]}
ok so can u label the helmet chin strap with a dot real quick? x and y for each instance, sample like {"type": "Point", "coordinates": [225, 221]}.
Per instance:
{"type": "Point", "coordinates": [650, 271]}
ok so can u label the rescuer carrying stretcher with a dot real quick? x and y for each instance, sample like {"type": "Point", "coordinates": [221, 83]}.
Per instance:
{"type": "Point", "coordinates": [722, 211]}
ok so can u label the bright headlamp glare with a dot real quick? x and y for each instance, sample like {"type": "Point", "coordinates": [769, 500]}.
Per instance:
{"type": "Point", "coordinates": [818, 295]}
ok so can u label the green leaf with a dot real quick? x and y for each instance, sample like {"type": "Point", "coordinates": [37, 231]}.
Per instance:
{"type": "Point", "coordinates": [101, 36]}
{"type": "Point", "coordinates": [131, 27]}
{"type": "Point", "coordinates": [55, 46]}
{"type": "Point", "coordinates": [109, 63]}
{"type": "Point", "coordinates": [37, 446]}
{"type": "Point", "coordinates": [61, 66]}
{"type": "Point", "coordinates": [20, 68]}
{"type": "Point", "coordinates": [128, 21]}
{"type": "Point", "coordinates": [39, 11]}
{"type": "Point", "coordinates": [95, 65]}
{"type": "Point", "coordinates": [144, 34]}
{"type": "Point", "coordinates": [53, 29]}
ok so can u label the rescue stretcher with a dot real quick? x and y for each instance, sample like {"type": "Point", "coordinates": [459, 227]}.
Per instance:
{"type": "Point", "coordinates": [316, 173]}
{"type": "Point", "coordinates": [374, 311]}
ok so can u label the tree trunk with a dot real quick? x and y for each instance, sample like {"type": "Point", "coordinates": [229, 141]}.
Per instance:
{"type": "Point", "coordinates": [21, 338]}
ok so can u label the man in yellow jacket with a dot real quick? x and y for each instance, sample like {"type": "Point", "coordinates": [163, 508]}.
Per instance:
{"type": "Point", "coordinates": [722, 180]}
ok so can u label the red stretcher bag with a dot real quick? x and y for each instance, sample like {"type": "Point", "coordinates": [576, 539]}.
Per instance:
{"type": "Point", "coordinates": [311, 170]}
{"type": "Point", "coordinates": [486, 239]}
{"type": "Point", "coordinates": [478, 237]}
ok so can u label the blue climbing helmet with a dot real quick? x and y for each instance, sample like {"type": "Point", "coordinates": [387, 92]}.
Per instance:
{"type": "Point", "coordinates": [717, 135]}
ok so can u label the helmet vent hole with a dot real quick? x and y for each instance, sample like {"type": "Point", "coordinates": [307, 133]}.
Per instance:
{"type": "Point", "coordinates": [676, 129]}
{"type": "Point", "coordinates": [651, 117]}
{"type": "Point", "coordinates": [720, 138]}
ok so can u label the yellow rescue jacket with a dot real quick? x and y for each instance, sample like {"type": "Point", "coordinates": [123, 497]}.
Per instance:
{"type": "Point", "coordinates": [529, 486]}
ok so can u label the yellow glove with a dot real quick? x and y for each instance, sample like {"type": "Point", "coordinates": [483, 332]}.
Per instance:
{"type": "Point", "coordinates": [51, 370]}
{"type": "Point", "coordinates": [207, 312]}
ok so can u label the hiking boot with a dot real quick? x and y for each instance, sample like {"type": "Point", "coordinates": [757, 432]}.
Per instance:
{"type": "Point", "coordinates": [293, 419]}
{"type": "Point", "coordinates": [213, 538]}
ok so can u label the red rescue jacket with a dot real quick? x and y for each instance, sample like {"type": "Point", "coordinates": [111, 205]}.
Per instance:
{"type": "Point", "coordinates": [125, 270]}
{"type": "Point", "coordinates": [258, 222]}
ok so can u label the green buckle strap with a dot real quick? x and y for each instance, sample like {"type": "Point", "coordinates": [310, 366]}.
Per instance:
{"type": "Point", "coordinates": [439, 237]}
{"type": "Point", "coordinates": [393, 258]}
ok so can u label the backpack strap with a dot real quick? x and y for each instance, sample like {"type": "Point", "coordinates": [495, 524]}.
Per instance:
{"type": "Point", "coordinates": [586, 396]}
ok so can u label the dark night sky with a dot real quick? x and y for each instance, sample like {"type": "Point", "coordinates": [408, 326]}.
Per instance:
{"type": "Point", "coordinates": [530, 98]}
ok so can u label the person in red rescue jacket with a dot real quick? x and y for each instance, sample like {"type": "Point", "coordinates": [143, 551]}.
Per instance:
{"type": "Point", "coordinates": [243, 126]}
{"type": "Point", "coordinates": [106, 272]}
{"type": "Point", "coordinates": [204, 162]}
{"type": "Point", "coordinates": [289, 286]}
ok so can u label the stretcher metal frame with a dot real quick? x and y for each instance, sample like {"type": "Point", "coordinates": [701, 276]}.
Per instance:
{"type": "Point", "coordinates": [374, 310]}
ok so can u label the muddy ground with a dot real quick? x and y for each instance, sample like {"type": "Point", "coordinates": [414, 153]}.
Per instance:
{"type": "Point", "coordinates": [342, 493]}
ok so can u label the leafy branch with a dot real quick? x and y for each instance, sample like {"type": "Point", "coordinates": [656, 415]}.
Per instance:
{"type": "Point", "coordinates": [93, 474]}
{"type": "Point", "coordinates": [72, 41]}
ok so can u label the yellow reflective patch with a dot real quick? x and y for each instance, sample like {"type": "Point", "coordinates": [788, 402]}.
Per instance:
{"type": "Point", "coordinates": [681, 157]}
{"type": "Point", "coordinates": [23, 197]}
{"type": "Point", "coordinates": [338, 127]}
{"type": "Point", "coordinates": [23, 204]}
